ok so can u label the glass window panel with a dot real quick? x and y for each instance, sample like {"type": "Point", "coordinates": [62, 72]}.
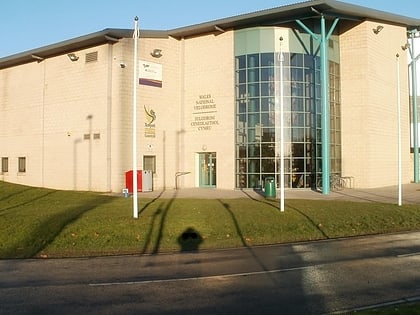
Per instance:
{"type": "Point", "coordinates": [268, 135]}
{"type": "Point", "coordinates": [254, 181]}
{"type": "Point", "coordinates": [308, 119]}
{"type": "Point", "coordinates": [298, 134]}
{"type": "Point", "coordinates": [253, 61]}
{"type": "Point", "coordinates": [308, 61]}
{"type": "Point", "coordinates": [298, 149]}
{"type": "Point", "coordinates": [267, 119]}
{"type": "Point", "coordinates": [253, 119]}
{"type": "Point", "coordinates": [296, 74]}
{"type": "Point", "coordinates": [296, 60]}
{"type": "Point", "coordinates": [240, 119]}
{"type": "Point", "coordinates": [241, 91]}
{"type": "Point", "coordinates": [267, 74]}
{"type": "Point", "coordinates": [317, 62]}
{"type": "Point", "coordinates": [241, 151]}
{"type": "Point", "coordinates": [149, 163]}
{"type": "Point", "coordinates": [267, 149]}
{"type": "Point", "coordinates": [297, 104]}
{"type": "Point", "coordinates": [297, 89]}
{"type": "Point", "coordinates": [286, 74]}
{"type": "Point", "coordinates": [241, 136]}
{"type": "Point", "coordinates": [253, 75]}
{"type": "Point", "coordinates": [267, 89]}
{"type": "Point", "coordinates": [240, 62]}
{"type": "Point", "coordinates": [241, 76]}
{"type": "Point", "coordinates": [4, 164]}
{"type": "Point", "coordinates": [298, 119]}
{"type": "Point", "coordinates": [254, 165]}
{"type": "Point", "coordinates": [267, 59]}
{"type": "Point", "coordinates": [254, 105]}
{"type": "Point", "coordinates": [254, 89]}
{"type": "Point", "coordinates": [240, 106]}
{"type": "Point", "coordinates": [22, 164]}
{"type": "Point", "coordinates": [254, 150]}
{"type": "Point", "coordinates": [267, 104]}
{"type": "Point", "coordinates": [267, 165]}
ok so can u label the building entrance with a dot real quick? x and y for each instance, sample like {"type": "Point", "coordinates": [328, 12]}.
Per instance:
{"type": "Point", "coordinates": [207, 165]}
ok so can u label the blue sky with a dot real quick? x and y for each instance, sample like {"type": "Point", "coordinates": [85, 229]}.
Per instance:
{"type": "Point", "coordinates": [29, 24]}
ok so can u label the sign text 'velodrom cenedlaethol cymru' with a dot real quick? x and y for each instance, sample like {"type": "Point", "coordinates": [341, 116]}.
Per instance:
{"type": "Point", "coordinates": [204, 114]}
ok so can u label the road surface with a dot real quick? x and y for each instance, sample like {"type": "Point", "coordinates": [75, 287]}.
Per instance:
{"type": "Point", "coordinates": [301, 278]}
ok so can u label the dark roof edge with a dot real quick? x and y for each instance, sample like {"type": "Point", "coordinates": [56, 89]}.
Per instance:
{"type": "Point", "coordinates": [108, 35]}
{"type": "Point", "coordinates": [274, 16]}
{"type": "Point", "coordinates": [297, 10]}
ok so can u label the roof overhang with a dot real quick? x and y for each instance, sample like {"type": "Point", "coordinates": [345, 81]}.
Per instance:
{"type": "Point", "coordinates": [106, 36]}
{"type": "Point", "coordinates": [288, 13]}
{"type": "Point", "coordinates": [270, 17]}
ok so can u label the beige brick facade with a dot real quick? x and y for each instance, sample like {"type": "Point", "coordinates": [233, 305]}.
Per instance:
{"type": "Point", "coordinates": [72, 120]}
{"type": "Point", "coordinates": [369, 105]}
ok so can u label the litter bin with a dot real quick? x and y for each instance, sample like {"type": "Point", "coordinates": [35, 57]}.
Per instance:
{"type": "Point", "coordinates": [270, 187]}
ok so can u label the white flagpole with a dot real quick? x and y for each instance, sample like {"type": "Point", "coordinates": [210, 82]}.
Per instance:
{"type": "Point", "coordinates": [399, 131]}
{"type": "Point", "coordinates": [135, 78]}
{"type": "Point", "coordinates": [281, 130]}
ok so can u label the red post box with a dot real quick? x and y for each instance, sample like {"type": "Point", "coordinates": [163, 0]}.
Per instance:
{"type": "Point", "coordinates": [129, 181]}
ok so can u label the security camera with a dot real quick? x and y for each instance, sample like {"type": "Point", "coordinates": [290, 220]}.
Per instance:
{"type": "Point", "coordinates": [281, 38]}
{"type": "Point", "coordinates": [122, 64]}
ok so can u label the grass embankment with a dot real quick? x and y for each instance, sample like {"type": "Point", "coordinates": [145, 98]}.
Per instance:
{"type": "Point", "coordinates": [37, 222]}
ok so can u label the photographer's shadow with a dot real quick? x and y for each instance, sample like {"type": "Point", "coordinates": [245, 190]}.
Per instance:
{"type": "Point", "coordinates": [190, 240]}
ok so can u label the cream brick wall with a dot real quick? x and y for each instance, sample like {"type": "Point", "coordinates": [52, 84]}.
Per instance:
{"type": "Point", "coordinates": [369, 104]}
{"type": "Point", "coordinates": [46, 117]}
{"type": "Point", "coordinates": [209, 70]}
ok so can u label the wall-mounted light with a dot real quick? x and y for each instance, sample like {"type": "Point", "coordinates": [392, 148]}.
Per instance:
{"type": "Point", "coordinates": [73, 57]}
{"type": "Point", "coordinates": [405, 47]}
{"type": "Point", "coordinates": [377, 29]}
{"type": "Point", "coordinates": [37, 58]}
{"type": "Point", "coordinates": [157, 53]}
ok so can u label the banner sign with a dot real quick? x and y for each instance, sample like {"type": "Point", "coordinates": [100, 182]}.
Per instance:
{"type": "Point", "coordinates": [150, 73]}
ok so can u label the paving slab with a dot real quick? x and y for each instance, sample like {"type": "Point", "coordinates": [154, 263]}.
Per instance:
{"type": "Point", "coordinates": [389, 194]}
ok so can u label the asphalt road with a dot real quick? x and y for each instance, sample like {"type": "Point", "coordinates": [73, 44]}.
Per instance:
{"type": "Point", "coordinates": [300, 278]}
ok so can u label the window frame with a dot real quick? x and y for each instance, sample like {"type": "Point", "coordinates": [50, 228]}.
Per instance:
{"type": "Point", "coordinates": [21, 164]}
{"type": "Point", "coordinates": [4, 164]}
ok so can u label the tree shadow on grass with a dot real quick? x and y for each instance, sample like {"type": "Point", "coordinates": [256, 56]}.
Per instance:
{"type": "Point", "coordinates": [243, 239]}
{"type": "Point", "coordinates": [158, 221]}
{"type": "Point", "coordinates": [26, 202]}
{"type": "Point", "coordinates": [317, 226]}
{"type": "Point", "coordinates": [293, 208]}
{"type": "Point", "coordinates": [47, 230]}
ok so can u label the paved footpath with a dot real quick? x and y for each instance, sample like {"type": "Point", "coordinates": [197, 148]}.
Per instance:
{"type": "Point", "coordinates": [410, 194]}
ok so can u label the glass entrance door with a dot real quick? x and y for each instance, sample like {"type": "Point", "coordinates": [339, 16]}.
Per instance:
{"type": "Point", "coordinates": [207, 165]}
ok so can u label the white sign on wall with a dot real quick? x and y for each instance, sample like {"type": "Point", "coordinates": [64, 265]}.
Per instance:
{"type": "Point", "coordinates": [150, 73]}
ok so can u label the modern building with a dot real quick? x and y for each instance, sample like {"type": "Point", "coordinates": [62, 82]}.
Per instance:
{"type": "Point", "coordinates": [210, 98]}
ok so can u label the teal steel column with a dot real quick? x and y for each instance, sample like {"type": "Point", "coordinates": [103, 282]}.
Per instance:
{"type": "Point", "coordinates": [325, 113]}
{"type": "Point", "coordinates": [415, 114]}
{"type": "Point", "coordinates": [325, 100]}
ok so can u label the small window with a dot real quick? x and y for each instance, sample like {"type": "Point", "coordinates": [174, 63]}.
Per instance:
{"type": "Point", "coordinates": [22, 164]}
{"type": "Point", "coordinates": [4, 164]}
{"type": "Point", "coordinates": [149, 163]}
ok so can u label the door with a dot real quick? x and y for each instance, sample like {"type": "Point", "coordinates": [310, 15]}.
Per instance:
{"type": "Point", "coordinates": [207, 165]}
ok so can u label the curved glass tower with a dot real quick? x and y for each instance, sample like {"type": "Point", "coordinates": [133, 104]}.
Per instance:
{"type": "Point", "coordinates": [258, 99]}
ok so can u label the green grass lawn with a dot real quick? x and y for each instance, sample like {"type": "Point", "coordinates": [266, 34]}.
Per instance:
{"type": "Point", "coordinates": [399, 309]}
{"type": "Point", "coordinates": [37, 222]}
